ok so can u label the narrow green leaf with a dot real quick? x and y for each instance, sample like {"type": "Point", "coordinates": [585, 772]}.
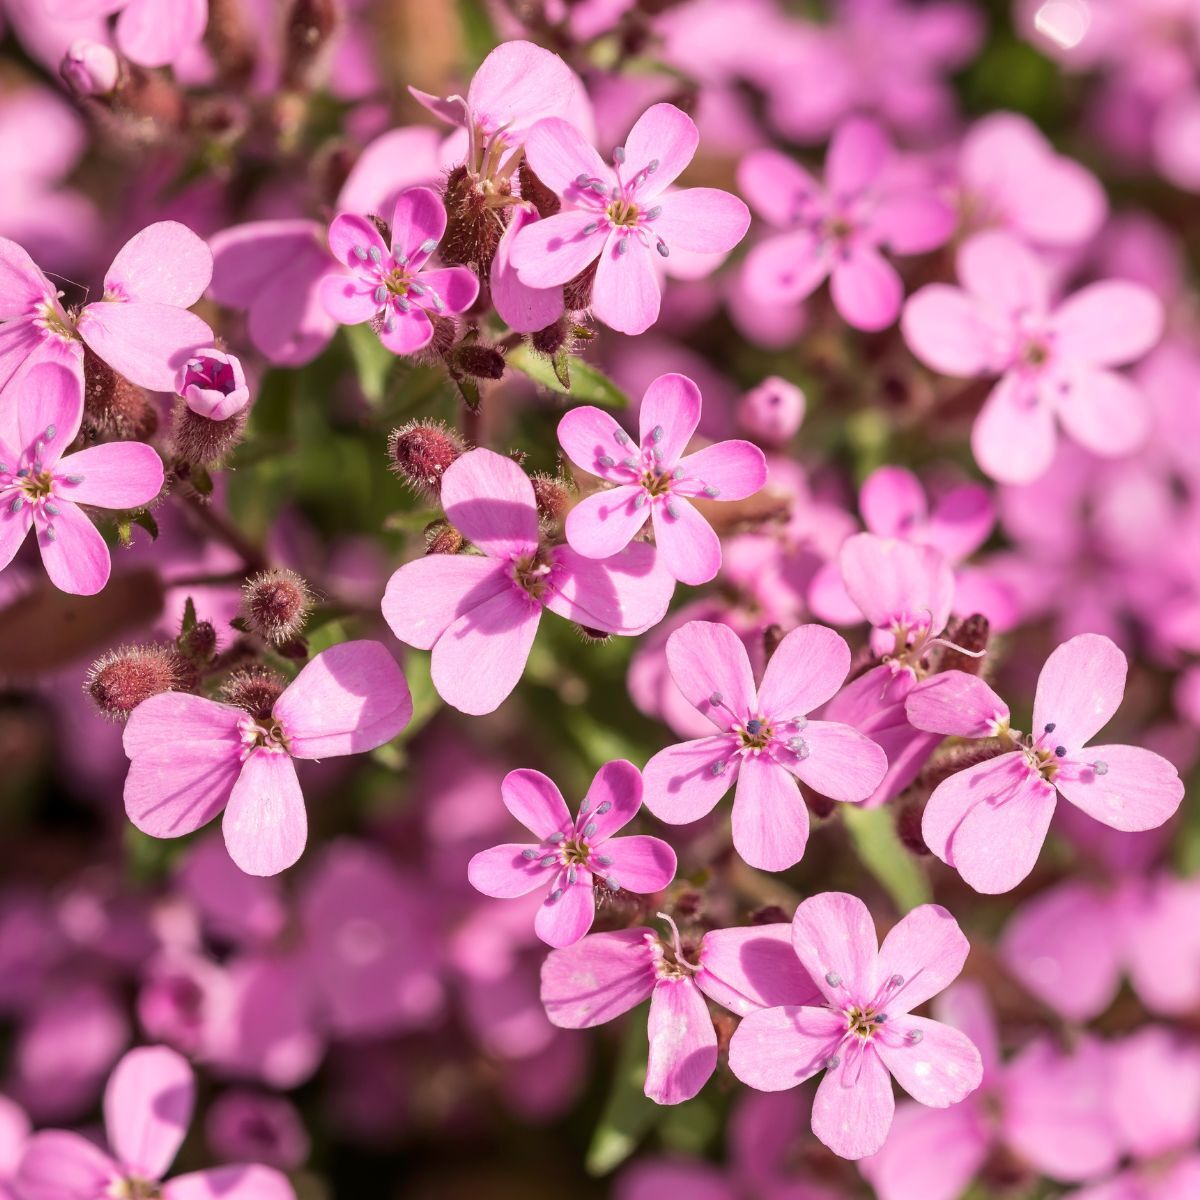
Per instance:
{"type": "Point", "coordinates": [628, 1115]}
{"type": "Point", "coordinates": [588, 385]}
{"type": "Point", "coordinates": [189, 616]}
{"type": "Point", "coordinates": [883, 854]}
{"type": "Point", "coordinates": [373, 361]}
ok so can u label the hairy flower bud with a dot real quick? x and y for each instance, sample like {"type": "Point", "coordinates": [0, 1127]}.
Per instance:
{"type": "Point", "coordinates": [473, 225]}
{"type": "Point", "coordinates": [773, 411]}
{"type": "Point", "coordinates": [536, 192]}
{"type": "Point", "coordinates": [420, 452]}
{"type": "Point", "coordinates": [971, 633]}
{"type": "Point", "coordinates": [114, 406]}
{"type": "Point", "coordinates": [213, 385]}
{"type": "Point", "coordinates": [201, 441]}
{"type": "Point", "coordinates": [276, 604]}
{"type": "Point", "coordinates": [199, 643]}
{"type": "Point", "coordinates": [255, 689]}
{"type": "Point", "coordinates": [552, 339]}
{"type": "Point", "coordinates": [477, 362]}
{"type": "Point", "coordinates": [309, 29]}
{"type": "Point", "coordinates": [577, 292]}
{"type": "Point", "coordinates": [442, 538]}
{"type": "Point", "coordinates": [121, 679]}
{"type": "Point", "coordinates": [908, 828]}
{"type": "Point", "coordinates": [89, 68]}
{"type": "Point", "coordinates": [552, 495]}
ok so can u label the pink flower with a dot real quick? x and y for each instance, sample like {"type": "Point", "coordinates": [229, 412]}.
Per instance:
{"type": "Point", "coordinates": [838, 230]}
{"type": "Point", "coordinates": [140, 326]}
{"type": "Point", "coordinates": [765, 739]}
{"type": "Point", "coordinates": [607, 974]}
{"type": "Point", "coordinates": [213, 384]}
{"type": "Point", "coordinates": [147, 1109]}
{"type": "Point", "coordinates": [391, 287]}
{"type": "Point", "coordinates": [989, 821]}
{"type": "Point", "coordinates": [864, 1030]}
{"type": "Point", "coordinates": [1052, 361]}
{"type": "Point", "coordinates": [656, 481]}
{"type": "Point", "coordinates": [621, 214]}
{"type": "Point", "coordinates": [43, 491]}
{"type": "Point", "coordinates": [191, 757]}
{"type": "Point", "coordinates": [479, 613]}
{"type": "Point", "coordinates": [153, 33]}
{"type": "Point", "coordinates": [569, 854]}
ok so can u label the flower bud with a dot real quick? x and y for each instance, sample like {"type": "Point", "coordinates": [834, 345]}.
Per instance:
{"type": "Point", "coordinates": [213, 385]}
{"type": "Point", "coordinates": [550, 340]}
{"type": "Point", "coordinates": [477, 362]}
{"type": "Point", "coordinates": [552, 496]}
{"type": "Point", "coordinates": [89, 68]}
{"type": "Point", "coordinates": [421, 451]}
{"type": "Point", "coordinates": [309, 29]}
{"type": "Point", "coordinates": [472, 229]}
{"type": "Point", "coordinates": [255, 689]}
{"type": "Point", "coordinates": [971, 634]}
{"type": "Point", "coordinates": [442, 538]}
{"type": "Point", "coordinates": [276, 604]}
{"type": "Point", "coordinates": [199, 643]}
{"type": "Point", "coordinates": [908, 828]}
{"type": "Point", "coordinates": [246, 1126]}
{"type": "Point", "coordinates": [121, 679]}
{"type": "Point", "coordinates": [114, 406]}
{"type": "Point", "coordinates": [536, 192]}
{"type": "Point", "coordinates": [201, 441]}
{"type": "Point", "coordinates": [769, 914]}
{"type": "Point", "coordinates": [773, 411]}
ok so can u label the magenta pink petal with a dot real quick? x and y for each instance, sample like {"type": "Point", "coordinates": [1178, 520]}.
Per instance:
{"type": "Point", "coordinates": [684, 782]}
{"type": "Point", "coordinates": [617, 785]}
{"type": "Point", "coordinates": [489, 500]}
{"type": "Point", "coordinates": [626, 594]}
{"type": "Point", "coordinates": [64, 1166]}
{"type": "Point", "coordinates": [147, 1109]}
{"type": "Point", "coordinates": [154, 34]}
{"type": "Point", "coordinates": [841, 762]}
{"type": "Point", "coordinates": [930, 1154]}
{"type": "Point", "coordinates": [625, 295]}
{"type": "Point", "coordinates": [773, 182]}
{"type": "Point", "coordinates": [701, 220]}
{"type": "Point", "coordinates": [49, 400]}
{"type": "Point", "coordinates": [74, 555]}
{"type": "Point", "coordinates": [1079, 690]}
{"type": "Point", "coordinates": [834, 936]}
{"type": "Point", "coordinates": [564, 918]}
{"type": "Point", "coordinates": [807, 668]}
{"type": "Point", "coordinates": [587, 435]}
{"type": "Point", "coordinates": [411, 331]}
{"type": "Point", "coordinates": [709, 665]}
{"type": "Point", "coordinates": [349, 233]}
{"type": "Point", "coordinates": [1104, 412]}
{"type": "Point", "coordinates": [961, 521]}
{"type": "Point", "coordinates": [348, 299]}
{"type": "Point", "coordinates": [535, 801]}
{"type": "Point", "coordinates": [457, 287]}
{"type": "Point", "coordinates": [265, 823]}
{"type": "Point", "coordinates": [940, 1069]}
{"type": "Point", "coordinates": [683, 1042]}
{"type": "Point", "coordinates": [549, 252]}
{"type": "Point", "coordinates": [520, 82]}
{"type": "Point", "coordinates": [1000, 271]}
{"type": "Point", "coordinates": [419, 216]}
{"type": "Point", "coordinates": [1125, 787]}
{"type": "Point", "coordinates": [853, 1120]}
{"type": "Point", "coordinates": [604, 523]}
{"type": "Point", "coordinates": [668, 416]}
{"type": "Point", "coordinates": [424, 597]}
{"type": "Point", "coordinates": [640, 863]}
{"type": "Point", "coordinates": [770, 818]}
{"type": "Point", "coordinates": [559, 153]}
{"type": "Point", "coordinates": [892, 502]}
{"type": "Point", "coordinates": [522, 308]}
{"type": "Point", "coordinates": [165, 263]}
{"type": "Point", "coordinates": [115, 475]}
{"type": "Point", "coordinates": [687, 544]}
{"type": "Point", "coordinates": [504, 872]}
{"type": "Point", "coordinates": [866, 289]}
{"type": "Point", "coordinates": [893, 581]}
{"type": "Point", "coordinates": [777, 1048]}
{"type": "Point", "coordinates": [598, 979]}
{"type": "Point", "coordinates": [663, 135]}
{"type": "Point", "coordinates": [733, 469]}
{"type": "Point", "coordinates": [22, 284]}
{"type": "Point", "coordinates": [145, 341]}
{"type": "Point", "coordinates": [753, 967]}
{"type": "Point", "coordinates": [957, 704]}
{"type": "Point", "coordinates": [14, 528]}
{"type": "Point", "coordinates": [1107, 324]}
{"type": "Point", "coordinates": [913, 222]}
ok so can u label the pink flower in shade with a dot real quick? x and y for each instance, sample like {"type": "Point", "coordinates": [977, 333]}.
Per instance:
{"type": "Point", "coordinates": [42, 490]}
{"type": "Point", "coordinates": [864, 1031]}
{"type": "Point", "coordinates": [140, 326]}
{"type": "Point", "coordinates": [765, 740]}
{"type": "Point", "coordinates": [607, 974]}
{"type": "Point", "coordinates": [839, 230]}
{"type": "Point", "coordinates": [392, 287]}
{"type": "Point", "coordinates": [989, 821]}
{"type": "Point", "coordinates": [570, 854]}
{"type": "Point", "coordinates": [622, 214]}
{"type": "Point", "coordinates": [213, 384]}
{"type": "Point", "coordinates": [1052, 361]}
{"type": "Point", "coordinates": [479, 613]}
{"type": "Point", "coordinates": [1045, 1106]}
{"type": "Point", "coordinates": [655, 481]}
{"type": "Point", "coordinates": [191, 757]}
{"type": "Point", "coordinates": [153, 33]}
{"type": "Point", "coordinates": [147, 1109]}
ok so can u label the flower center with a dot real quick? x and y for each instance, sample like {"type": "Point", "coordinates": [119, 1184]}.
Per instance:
{"type": "Point", "coordinates": [757, 733]}
{"type": "Point", "coordinates": [864, 1022]}
{"type": "Point", "coordinates": [531, 573]}
{"type": "Point", "coordinates": [623, 212]}
{"type": "Point", "coordinates": [135, 1189]}
{"type": "Point", "coordinates": [53, 318]}
{"type": "Point", "coordinates": [35, 485]}
{"type": "Point", "coordinates": [211, 374]}
{"type": "Point", "coordinates": [267, 734]}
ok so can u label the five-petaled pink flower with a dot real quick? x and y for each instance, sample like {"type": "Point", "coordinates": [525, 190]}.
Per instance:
{"type": "Point", "coordinates": [571, 853]}
{"type": "Point", "coordinates": [191, 757]}
{"type": "Point", "coordinates": [838, 230]}
{"type": "Point", "coordinates": [607, 974]}
{"type": "Point", "coordinates": [1052, 361]}
{"type": "Point", "coordinates": [479, 613]}
{"type": "Point", "coordinates": [989, 821]}
{"type": "Point", "coordinates": [621, 214]}
{"type": "Point", "coordinates": [42, 490]}
{"type": "Point", "coordinates": [766, 741]}
{"type": "Point", "coordinates": [864, 1032]}
{"type": "Point", "coordinates": [148, 1107]}
{"type": "Point", "coordinates": [392, 287]}
{"type": "Point", "coordinates": [140, 326]}
{"type": "Point", "coordinates": [655, 481]}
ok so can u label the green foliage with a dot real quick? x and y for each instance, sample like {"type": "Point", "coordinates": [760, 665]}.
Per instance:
{"type": "Point", "coordinates": [586, 384]}
{"type": "Point", "coordinates": [879, 849]}
{"type": "Point", "coordinates": [628, 1115]}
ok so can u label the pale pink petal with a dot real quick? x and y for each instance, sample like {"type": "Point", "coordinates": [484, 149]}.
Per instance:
{"type": "Point", "coordinates": [588, 434]}
{"type": "Point", "coordinates": [1107, 324]}
{"type": "Point", "coordinates": [249, 1182]}
{"type": "Point", "coordinates": [897, 582]}
{"type": "Point", "coordinates": [729, 470]}
{"type": "Point", "coordinates": [616, 788]}
{"type": "Point", "coordinates": [956, 704]}
{"type": "Point", "coordinates": [1103, 412]}
{"type": "Point", "coordinates": [154, 34]}
{"type": "Point", "coordinates": [946, 330]}
{"type": "Point", "coordinates": [419, 216]}
{"type": "Point", "coordinates": [451, 109]}
{"type": "Point", "coordinates": [776, 1048]}
{"type": "Point", "coordinates": [785, 269]}
{"type": "Point", "coordinates": [564, 918]}
{"type": "Point", "coordinates": [504, 872]}
{"type": "Point", "coordinates": [75, 556]}
{"type": "Point", "coordinates": [265, 824]}
{"type": "Point", "coordinates": [410, 331]}
{"type": "Point", "coordinates": [535, 801]}
{"type": "Point", "coordinates": [626, 295]}
{"type": "Point", "coordinates": [520, 82]}
{"type": "Point", "coordinates": [666, 137]}
{"type": "Point", "coordinates": [114, 475]}
{"type": "Point", "coordinates": [710, 667]}
{"type": "Point", "coordinates": [668, 416]}
{"type": "Point", "coordinates": [840, 762]}
{"type": "Point", "coordinates": [925, 951]}
{"type": "Point", "coordinates": [64, 1166]}
{"type": "Point", "coordinates": [148, 1106]}
{"type": "Point", "coordinates": [858, 152]}
{"type": "Point", "coordinates": [606, 522]}
{"type": "Point", "coordinates": [639, 864]}
{"type": "Point", "coordinates": [892, 502]}
{"type": "Point", "coordinates": [349, 699]}
{"type": "Point", "coordinates": [549, 252]}
{"type": "Point", "coordinates": [22, 285]}
{"type": "Point", "coordinates": [770, 818]}
{"type": "Point", "coordinates": [489, 500]}
{"type": "Point", "coordinates": [834, 938]}
{"type": "Point", "coordinates": [457, 287]}
{"type": "Point", "coordinates": [390, 162]}
{"type": "Point", "coordinates": [966, 1006]}
{"type": "Point", "coordinates": [1124, 787]}
{"type": "Point", "coordinates": [853, 1118]}
{"type": "Point", "coordinates": [426, 596]}
{"type": "Point", "coordinates": [1013, 438]}
{"type": "Point", "coordinates": [14, 528]}
{"type": "Point", "coordinates": [807, 668]}
{"type": "Point", "coordinates": [913, 222]}
{"type": "Point", "coordinates": [754, 967]}
{"type": "Point", "coordinates": [774, 184]}
{"type": "Point", "coordinates": [598, 978]}
{"type": "Point", "coordinates": [683, 1042]}
{"type": "Point", "coordinates": [687, 544]}
{"type": "Point", "coordinates": [165, 263]}
{"type": "Point", "coordinates": [684, 782]}
{"type": "Point", "coordinates": [866, 290]}
{"type": "Point", "coordinates": [930, 1154]}
{"type": "Point", "coordinates": [348, 299]}
{"type": "Point", "coordinates": [625, 594]}
{"type": "Point", "coordinates": [350, 233]}
{"type": "Point", "coordinates": [287, 320]}
{"type": "Point", "coordinates": [1002, 273]}
{"type": "Point", "coordinates": [1078, 691]}
{"type": "Point", "coordinates": [961, 521]}
{"type": "Point", "coordinates": [701, 221]}
{"type": "Point", "coordinates": [481, 657]}
{"type": "Point", "coordinates": [49, 401]}
{"type": "Point", "coordinates": [145, 341]}
{"type": "Point", "coordinates": [522, 308]}
{"type": "Point", "coordinates": [559, 154]}
{"type": "Point", "coordinates": [940, 1069]}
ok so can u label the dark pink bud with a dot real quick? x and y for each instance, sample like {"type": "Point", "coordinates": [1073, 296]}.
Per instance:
{"type": "Point", "coordinates": [255, 689]}
{"type": "Point", "coordinates": [276, 604]}
{"type": "Point", "coordinates": [552, 495]}
{"type": "Point", "coordinates": [442, 538]}
{"type": "Point", "coordinates": [213, 385]}
{"type": "Point", "coordinates": [121, 679]}
{"type": "Point", "coordinates": [114, 406]}
{"type": "Point", "coordinates": [199, 643]}
{"type": "Point", "coordinates": [421, 452]}
{"type": "Point", "coordinates": [773, 411]}
{"type": "Point", "coordinates": [90, 69]}
{"type": "Point", "coordinates": [478, 362]}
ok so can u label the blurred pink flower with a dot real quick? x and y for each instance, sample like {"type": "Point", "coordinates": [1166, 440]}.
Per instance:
{"type": "Point", "coordinates": [153, 33]}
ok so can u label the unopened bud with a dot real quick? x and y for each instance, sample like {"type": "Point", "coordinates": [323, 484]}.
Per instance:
{"type": "Point", "coordinates": [971, 633]}
{"type": "Point", "coordinates": [552, 495]}
{"type": "Point", "coordinates": [577, 292]}
{"type": "Point", "coordinates": [255, 689]}
{"type": "Point", "coordinates": [90, 68]}
{"type": "Point", "coordinates": [773, 411]}
{"type": "Point", "coordinates": [213, 385]}
{"type": "Point", "coordinates": [552, 339]}
{"type": "Point", "coordinates": [421, 451]}
{"type": "Point", "coordinates": [442, 538]}
{"type": "Point", "coordinates": [820, 806]}
{"type": "Point", "coordinates": [199, 643]}
{"type": "Point", "coordinates": [908, 828]}
{"type": "Point", "coordinates": [121, 679]}
{"type": "Point", "coordinates": [477, 362]}
{"type": "Point", "coordinates": [769, 914]}
{"type": "Point", "coordinates": [114, 406]}
{"type": "Point", "coordinates": [593, 635]}
{"type": "Point", "coordinates": [275, 604]}
{"type": "Point", "coordinates": [201, 441]}
{"type": "Point", "coordinates": [472, 228]}
{"type": "Point", "coordinates": [536, 192]}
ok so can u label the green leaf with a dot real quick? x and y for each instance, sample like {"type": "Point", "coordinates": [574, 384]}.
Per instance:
{"type": "Point", "coordinates": [145, 518]}
{"type": "Point", "coordinates": [425, 698]}
{"type": "Point", "coordinates": [479, 38]}
{"type": "Point", "coordinates": [586, 384]}
{"type": "Point", "coordinates": [373, 361]}
{"type": "Point", "coordinates": [332, 633]}
{"type": "Point", "coordinates": [628, 1115]}
{"type": "Point", "coordinates": [189, 617]}
{"type": "Point", "coordinates": [883, 854]}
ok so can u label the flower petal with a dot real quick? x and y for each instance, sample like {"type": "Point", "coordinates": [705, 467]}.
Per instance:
{"type": "Point", "coordinates": [419, 216]}
{"type": "Point", "coordinates": [249, 1182]}
{"type": "Point", "coordinates": [776, 1048]}
{"type": "Point", "coordinates": [618, 784]}
{"type": "Point", "coordinates": [426, 596]}
{"type": "Point", "coordinates": [683, 1042]}
{"type": "Point", "coordinates": [145, 341]}
{"type": "Point", "coordinates": [535, 801]}
{"type": "Point", "coordinates": [807, 668]}
{"type": "Point", "coordinates": [503, 872]}
{"type": "Point", "coordinates": [866, 290]}
{"type": "Point", "coordinates": [489, 500]}
{"type": "Point", "coordinates": [1013, 438]}
{"type": "Point", "coordinates": [1079, 690]}
{"type": "Point", "coordinates": [522, 308]}
{"type": "Point", "coordinates": [409, 331]}
{"type": "Point", "coordinates": [774, 184]}
{"type": "Point", "coordinates": [626, 594]}
{"type": "Point", "coordinates": [755, 967]}
{"type": "Point", "coordinates": [605, 522]}
{"type": "Point", "coordinates": [853, 1119]}
{"type": "Point", "coordinates": [265, 823]}
{"type": "Point", "coordinates": [75, 556]}
{"type": "Point", "coordinates": [64, 1166]}
{"type": "Point", "coordinates": [999, 270]}
{"type": "Point", "coordinates": [682, 783]}
{"type": "Point", "coordinates": [770, 818]}
{"type": "Point", "coordinates": [457, 287]}
{"type": "Point", "coordinates": [858, 152]}
{"type": "Point", "coordinates": [598, 978]}
{"type": "Point", "coordinates": [155, 36]}
{"type": "Point", "coordinates": [49, 397]}
{"type": "Point", "coordinates": [939, 1070]}
{"type": "Point", "coordinates": [708, 660]}
{"type": "Point", "coordinates": [588, 434]}
{"type": "Point", "coordinates": [1107, 324]}
{"type": "Point", "coordinates": [147, 1109]}
{"type": "Point", "coordinates": [23, 286]}
{"type": "Point", "coordinates": [732, 470]}
{"type": "Point", "coordinates": [956, 704]}
{"type": "Point", "coordinates": [564, 918]}
{"type": "Point", "coordinates": [1103, 412]}
{"type": "Point", "coordinates": [946, 330]}
{"type": "Point", "coordinates": [687, 544]}
{"type": "Point", "coordinates": [350, 232]}
{"type": "Point", "coordinates": [625, 295]}
{"type": "Point", "coordinates": [841, 762]}
{"type": "Point", "coordinates": [1137, 789]}
{"type": "Point", "coordinates": [926, 951]}
{"type": "Point", "coordinates": [165, 263]}
{"type": "Point", "coordinates": [663, 136]}
{"type": "Point", "coordinates": [113, 475]}
{"type": "Point", "coordinates": [785, 269]}
{"type": "Point", "coordinates": [668, 416]}
{"type": "Point", "coordinates": [701, 220]}
{"type": "Point", "coordinates": [640, 863]}
{"type": "Point", "coordinates": [834, 938]}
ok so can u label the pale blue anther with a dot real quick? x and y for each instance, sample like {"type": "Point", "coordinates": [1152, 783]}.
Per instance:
{"type": "Point", "coordinates": [380, 294]}
{"type": "Point", "coordinates": [656, 211]}
{"type": "Point", "coordinates": [630, 463]}
{"type": "Point", "coordinates": [390, 323]}
{"type": "Point", "coordinates": [605, 807]}
{"type": "Point", "coordinates": [606, 460]}
{"type": "Point", "coordinates": [622, 437]}
{"type": "Point", "coordinates": [832, 1061]}
{"type": "Point", "coordinates": [639, 500]}
{"type": "Point", "coordinates": [530, 854]}
{"type": "Point", "coordinates": [555, 895]}
{"type": "Point", "coordinates": [754, 726]}
{"type": "Point", "coordinates": [74, 478]}
{"type": "Point", "coordinates": [833, 979]}
{"type": "Point", "coordinates": [51, 430]}
{"type": "Point", "coordinates": [914, 1036]}
{"type": "Point", "coordinates": [656, 454]}
{"type": "Point", "coordinates": [15, 506]}
{"type": "Point", "coordinates": [403, 305]}
{"type": "Point", "coordinates": [800, 722]}
{"type": "Point", "coordinates": [360, 252]}
{"type": "Point", "coordinates": [619, 154]}
{"type": "Point", "coordinates": [589, 829]}
{"type": "Point", "coordinates": [590, 228]}
{"type": "Point", "coordinates": [51, 533]}
{"type": "Point", "coordinates": [610, 882]}
{"type": "Point", "coordinates": [23, 473]}
{"type": "Point", "coordinates": [672, 510]}
{"type": "Point", "coordinates": [711, 492]}
{"type": "Point", "coordinates": [376, 255]}
{"type": "Point", "coordinates": [597, 187]}
{"type": "Point", "coordinates": [402, 260]}
{"type": "Point", "coordinates": [881, 1018]}
{"type": "Point", "coordinates": [570, 874]}
{"type": "Point", "coordinates": [438, 302]}
{"type": "Point", "coordinates": [417, 289]}
{"type": "Point", "coordinates": [549, 860]}
{"type": "Point", "coordinates": [663, 248]}
{"type": "Point", "coordinates": [555, 838]}
{"type": "Point", "coordinates": [604, 860]}
{"type": "Point", "coordinates": [583, 180]}
{"type": "Point", "coordinates": [716, 698]}
{"type": "Point", "coordinates": [52, 509]}
{"type": "Point", "coordinates": [657, 433]}
{"type": "Point", "coordinates": [1100, 767]}
{"type": "Point", "coordinates": [615, 193]}
{"type": "Point", "coordinates": [718, 768]}
{"type": "Point", "coordinates": [799, 747]}
{"type": "Point", "coordinates": [652, 166]}
{"type": "Point", "coordinates": [429, 245]}
{"type": "Point", "coordinates": [622, 245]}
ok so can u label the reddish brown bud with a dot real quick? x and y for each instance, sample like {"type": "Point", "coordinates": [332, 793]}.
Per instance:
{"type": "Point", "coordinates": [442, 538]}
{"type": "Point", "coordinates": [230, 40]}
{"type": "Point", "coordinates": [908, 828]}
{"type": "Point", "coordinates": [112, 406]}
{"type": "Point", "coordinates": [309, 30]}
{"type": "Point", "coordinates": [552, 495]}
{"type": "Point", "coordinates": [552, 339]}
{"type": "Point", "coordinates": [536, 192]}
{"type": "Point", "coordinates": [769, 914]}
{"type": "Point", "coordinates": [971, 633]}
{"type": "Point", "coordinates": [200, 441]}
{"type": "Point", "coordinates": [593, 635]}
{"type": "Point", "coordinates": [474, 223]}
{"type": "Point", "coordinates": [421, 451]}
{"type": "Point", "coordinates": [577, 292]}
{"type": "Point", "coordinates": [199, 643]}
{"type": "Point", "coordinates": [255, 689]}
{"type": "Point", "coordinates": [820, 806]}
{"type": "Point", "coordinates": [477, 362]}
{"type": "Point", "coordinates": [121, 679]}
{"type": "Point", "coordinates": [275, 604]}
